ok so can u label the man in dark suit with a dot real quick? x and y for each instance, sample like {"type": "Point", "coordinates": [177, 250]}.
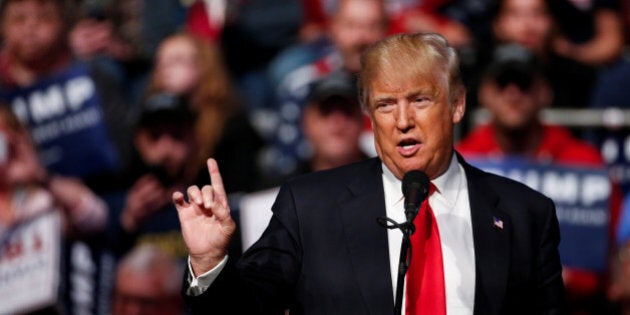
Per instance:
{"type": "Point", "coordinates": [323, 251]}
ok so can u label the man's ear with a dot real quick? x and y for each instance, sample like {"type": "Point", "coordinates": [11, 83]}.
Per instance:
{"type": "Point", "coordinates": [459, 106]}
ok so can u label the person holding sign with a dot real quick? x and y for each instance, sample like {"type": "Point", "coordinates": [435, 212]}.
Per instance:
{"type": "Point", "coordinates": [514, 90]}
{"type": "Point", "coordinates": [493, 241]}
{"type": "Point", "coordinates": [75, 113]}
{"type": "Point", "coordinates": [36, 215]}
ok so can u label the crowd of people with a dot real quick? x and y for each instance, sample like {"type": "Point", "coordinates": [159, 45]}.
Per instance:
{"type": "Point", "coordinates": [109, 107]}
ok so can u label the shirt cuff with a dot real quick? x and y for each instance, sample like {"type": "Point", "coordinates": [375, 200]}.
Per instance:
{"type": "Point", "coordinates": [199, 285]}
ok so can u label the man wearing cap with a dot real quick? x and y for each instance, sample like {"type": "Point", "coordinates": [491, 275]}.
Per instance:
{"type": "Point", "coordinates": [164, 140]}
{"type": "Point", "coordinates": [332, 122]}
{"type": "Point", "coordinates": [515, 90]}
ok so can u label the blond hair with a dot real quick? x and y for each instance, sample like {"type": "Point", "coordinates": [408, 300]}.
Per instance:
{"type": "Point", "coordinates": [410, 56]}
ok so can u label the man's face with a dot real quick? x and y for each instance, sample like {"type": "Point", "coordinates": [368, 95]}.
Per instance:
{"type": "Point", "coordinates": [335, 134]}
{"type": "Point", "coordinates": [171, 149]}
{"type": "Point", "coordinates": [525, 22]}
{"type": "Point", "coordinates": [513, 107]}
{"type": "Point", "coordinates": [31, 29]}
{"type": "Point", "coordinates": [413, 123]}
{"type": "Point", "coordinates": [356, 25]}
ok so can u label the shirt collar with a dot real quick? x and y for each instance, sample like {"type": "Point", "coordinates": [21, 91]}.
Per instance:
{"type": "Point", "coordinates": [447, 185]}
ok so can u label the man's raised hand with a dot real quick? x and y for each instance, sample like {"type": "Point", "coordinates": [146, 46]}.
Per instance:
{"type": "Point", "coordinates": [207, 226]}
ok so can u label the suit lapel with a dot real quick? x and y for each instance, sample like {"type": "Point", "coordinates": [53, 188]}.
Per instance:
{"type": "Point", "coordinates": [491, 233]}
{"type": "Point", "coordinates": [366, 240]}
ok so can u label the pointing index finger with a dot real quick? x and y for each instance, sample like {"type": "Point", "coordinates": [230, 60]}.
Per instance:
{"type": "Point", "coordinates": [215, 179]}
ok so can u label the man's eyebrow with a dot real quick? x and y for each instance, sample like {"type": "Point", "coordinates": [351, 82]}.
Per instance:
{"type": "Point", "coordinates": [383, 98]}
{"type": "Point", "coordinates": [421, 91]}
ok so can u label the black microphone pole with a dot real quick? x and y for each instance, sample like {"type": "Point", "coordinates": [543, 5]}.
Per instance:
{"type": "Point", "coordinates": [403, 264]}
{"type": "Point", "coordinates": [415, 187]}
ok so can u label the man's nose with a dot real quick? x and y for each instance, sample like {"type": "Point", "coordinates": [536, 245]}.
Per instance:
{"type": "Point", "coordinates": [404, 117]}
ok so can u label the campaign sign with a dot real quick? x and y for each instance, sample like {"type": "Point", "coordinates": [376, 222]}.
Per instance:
{"type": "Point", "coordinates": [581, 196]}
{"type": "Point", "coordinates": [29, 264]}
{"type": "Point", "coordinates": [615, 149]}
{"type": "Point", "coordinates": [65, 119]}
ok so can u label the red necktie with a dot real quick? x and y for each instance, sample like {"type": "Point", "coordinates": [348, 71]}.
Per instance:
{"type": "Point", "coordinates": [425, 277]}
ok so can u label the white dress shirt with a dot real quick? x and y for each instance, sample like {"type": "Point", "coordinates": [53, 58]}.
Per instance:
{"type": "Point", "coordinates": [450, 205]}
{"type": "Point", "coordinates": [451, 208]}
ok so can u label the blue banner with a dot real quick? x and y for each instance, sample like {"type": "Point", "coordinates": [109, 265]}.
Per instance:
{"type": "Point", "coordinates": [581, 196]}
{"type": "Point", "coordinates": [65, 119]}
{"type": "Point", "coordinates": [615, 148]}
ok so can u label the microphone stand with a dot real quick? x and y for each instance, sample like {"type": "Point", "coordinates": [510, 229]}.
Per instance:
{"type": "Point", "coordinates": [407, 229]}
{"type": "Point", "coordinates": [403, 263]}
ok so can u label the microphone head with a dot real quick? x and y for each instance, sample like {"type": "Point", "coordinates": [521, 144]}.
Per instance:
{"type": "Point", "coordinates": [415, 180]}
{"type": "Point", "coordinates": [415, 188]}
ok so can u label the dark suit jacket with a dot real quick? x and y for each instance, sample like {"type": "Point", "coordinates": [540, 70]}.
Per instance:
{"type": "Point", "coordinates": [324, 253]}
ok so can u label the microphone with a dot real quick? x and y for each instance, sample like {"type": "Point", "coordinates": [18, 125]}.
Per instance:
{"type": "Point", "coordinates": [415, 188]}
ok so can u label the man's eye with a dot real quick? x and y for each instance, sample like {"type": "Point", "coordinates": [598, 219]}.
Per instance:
{"type": "Point", "coordinates": [421, 101]}
{"type": "Point", "coordinates": [384, 106]}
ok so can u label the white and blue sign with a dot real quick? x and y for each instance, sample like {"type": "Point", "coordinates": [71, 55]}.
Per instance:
{"type": "Point", "coordinates": [615, 149]}
{"type": "Point", "coordinates": [65, 119]}
{"type": "Point", "coordinates": [581, 196]}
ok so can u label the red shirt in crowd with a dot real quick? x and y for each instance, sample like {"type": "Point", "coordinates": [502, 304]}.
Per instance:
{"type": "Point", "coordinates": [558, 146]}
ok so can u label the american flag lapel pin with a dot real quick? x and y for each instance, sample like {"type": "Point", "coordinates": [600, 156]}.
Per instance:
{"type": "Point", "coordinates": [497, 222]}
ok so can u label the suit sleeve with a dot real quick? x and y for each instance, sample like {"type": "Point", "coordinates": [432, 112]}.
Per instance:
{"type": "Point", "coordinates": [550, 289]}
{"type": "Point", "coordinates": [263, 280]}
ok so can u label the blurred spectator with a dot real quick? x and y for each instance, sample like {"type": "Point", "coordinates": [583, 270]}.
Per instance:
{"type": "Point", "coordinates": [39, 217]}
{"type": "Point", "coordinates": [77, 119]}
{"type": "Point", "coordinates": [407, 16]}
{"type": "Point", "coordinates": [530, 23]}
{"type": "Point", "coordinates": [165, 142]}
{"type": "Point", "coordinates": [85, 212]}
{"type": "Point", "coordinates": [355, 25]}
{"type": "Point", "coordinates": [148, 282]}
{"type": "Point", "coordinates": [250, 34]}
{"type": "Point", "coordinates": [589, 31]}
{"type": "Point", "coordinates": [191, 67]}
{"type": "Point", "coordinates": [332, 121]}
{"type": "Point", "coordinates": [26, 209]}
{"type": "Point", "coordinates": [514, 90]}
{"type": "Point", "coordinates": [122, 37]}
{"type": "Point", "coordinates": [164, 138]}
{"type": "Point", "coordinates": [524, 22]}
{"type": "Point", "coordinates": [74, 113]}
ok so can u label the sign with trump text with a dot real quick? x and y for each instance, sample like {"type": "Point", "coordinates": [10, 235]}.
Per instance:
{"type": "Point", "coordinates": [65, 118]}
{"type": "Point", "coordinates": [581, 196]}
